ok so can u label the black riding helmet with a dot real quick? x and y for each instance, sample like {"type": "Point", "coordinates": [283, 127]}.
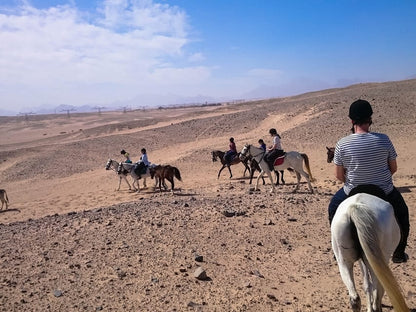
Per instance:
{"type": "Point", "coordinates": [143, 150]}
{"type": "Point", "coordinates": [360, 111]}
{"type": "Point", "coordinates": [122, 152]}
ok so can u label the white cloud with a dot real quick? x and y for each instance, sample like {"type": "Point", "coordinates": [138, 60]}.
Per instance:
{"type": "Point", "coordinates": [196, 57]}
{"type": "Point", "coordinates": [62, 55]}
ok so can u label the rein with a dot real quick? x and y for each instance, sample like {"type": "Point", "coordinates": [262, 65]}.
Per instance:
{"type": "Point", "coordinates": [111, 166]}
{"type": "Point", "coordinates": [262, 153]}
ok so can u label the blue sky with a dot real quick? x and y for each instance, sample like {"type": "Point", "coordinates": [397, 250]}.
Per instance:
{"type": "Point", "coordinates": [139, 53]}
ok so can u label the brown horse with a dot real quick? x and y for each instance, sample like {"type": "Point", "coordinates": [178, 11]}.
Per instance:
{"type": "Point", "coordinates": [167, 172]}
{"type": "Point", "coordinates": [4, 199]}
{"type": "Point", "coordinates": [330, 152]}
{"type": "Point", "coordinates": [236, 160]}
{"type": "Point", "coordinates": [254, 166]}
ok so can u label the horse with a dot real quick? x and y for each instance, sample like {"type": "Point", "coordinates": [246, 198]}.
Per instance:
{"type": "Point", "coordinates": [220, 154]}
{"type": "Point", "coordinates": [330, 152]}
{"type": "Point", "coordinates": [113, 165]}
{"type": "Point", "coordinates": [4, 199]}
{"type": "Point", "coordinates": [365, 229]}
{"type": "Point", "coordinates": [165, 172]}
{"type": "Point", "coordinates": [292, 160]}
{"type": "Point", "coordinates": [130, 167]}
{"type": "Point", "coordinates": [254, 166]}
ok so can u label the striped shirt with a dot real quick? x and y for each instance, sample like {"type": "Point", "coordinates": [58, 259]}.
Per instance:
{"type": "Point", "coordinates": [365, 157]}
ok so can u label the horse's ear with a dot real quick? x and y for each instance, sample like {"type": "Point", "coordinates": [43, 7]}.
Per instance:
{"type": "Point", "coordinates": [328, 148]}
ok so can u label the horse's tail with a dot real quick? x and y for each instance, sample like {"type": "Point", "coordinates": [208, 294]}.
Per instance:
{"type": "Point", "coordinates": [177, 173]}
{"type": "Point", "coordinates": [364, 220]}
{"type": "Point", "coordinates": [306, 159]}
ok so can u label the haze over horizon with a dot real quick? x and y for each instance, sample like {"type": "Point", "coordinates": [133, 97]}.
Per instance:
{"type": "Point", "coordinates": [145, 53]}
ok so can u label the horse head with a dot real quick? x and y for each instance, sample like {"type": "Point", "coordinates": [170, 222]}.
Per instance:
{"type": "Point", "coordinates": [120, 168]}
{"type": "Point", "coordinates": [245, 152]}
{"type": "Point", "coordinates": [108, 165]}
{"type": "Point", "coordinates": [214, 156]}
{"type": "Point", "coordinates": [330, 152]}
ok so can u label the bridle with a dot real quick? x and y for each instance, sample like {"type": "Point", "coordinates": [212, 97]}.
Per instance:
{"type": "Point", "coordinates": [120, 169]}
{"type": "Point", "coordinates": [254, 156]}
{"type": "Point", "coordinates": [214, 156]}
{"type": "Point", "coordinates": [108, 166]}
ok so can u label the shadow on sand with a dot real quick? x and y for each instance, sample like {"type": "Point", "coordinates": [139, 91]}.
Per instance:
{"type": "Point", "coordinates": [10, 210]}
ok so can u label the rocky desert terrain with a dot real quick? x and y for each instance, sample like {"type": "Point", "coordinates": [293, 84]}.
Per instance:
{"type": "Point", "coordinates": [70, 242]}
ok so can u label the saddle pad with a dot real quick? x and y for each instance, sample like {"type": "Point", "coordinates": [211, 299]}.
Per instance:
{"type": "Point", "coordinates": [279, 160]}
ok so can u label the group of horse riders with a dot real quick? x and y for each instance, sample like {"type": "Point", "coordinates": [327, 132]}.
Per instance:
{"type": "Point", "coordinates": [272, 153]}
{"type": "Point", "coordinates": [141, 165]}
{"type": "Point", "coordinates": [365, 162]}
{"type": "Point", "coordinates": [355, 167]}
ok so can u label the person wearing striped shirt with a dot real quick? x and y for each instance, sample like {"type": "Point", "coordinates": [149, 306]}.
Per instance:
{"type": "Point", "coordinates": [369, 158]}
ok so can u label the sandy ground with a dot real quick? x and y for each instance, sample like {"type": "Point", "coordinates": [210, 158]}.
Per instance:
{"type": "Point", "coordinates": [71, 242]}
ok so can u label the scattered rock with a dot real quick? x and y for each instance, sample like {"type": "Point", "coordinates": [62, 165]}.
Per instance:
{"type": "Point", "coordinates": [257, 273]}
{"type": "Point", "coordinates": [200, 274]}
{"type": "Point", "coordinates": [272, 297]}
{"type": "Point", "coordinates": [57, 293]}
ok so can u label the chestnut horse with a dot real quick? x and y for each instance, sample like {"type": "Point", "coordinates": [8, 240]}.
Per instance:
{"type": "Point", "coordinates": [330, 152]}
{"type": "Point", "coordinates": [165, 172]}
{"type": "Point", "coordinates": [236, 160]}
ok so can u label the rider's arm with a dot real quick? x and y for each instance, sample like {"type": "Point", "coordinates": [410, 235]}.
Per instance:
{"type": "Point", "coordinates": [340, 173]}
{"type": "Point", "coordinates": [393, 166]}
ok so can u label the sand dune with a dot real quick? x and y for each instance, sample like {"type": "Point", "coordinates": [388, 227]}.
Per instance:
{"type": "Point", "coordinates": [70, 242]}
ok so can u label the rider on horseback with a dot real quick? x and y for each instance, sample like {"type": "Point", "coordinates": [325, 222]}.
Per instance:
{"type": "Point", "coordinates": [262, 145]}
{"type": "Point", "coordinates": [275, 150]}
{"type": "Point", "coordinates": [142, 164]}
{"type": "Point", "coordinates": [127, 155]}
{"type": "Point", "coordinates": [366, 157]}
{"type": "Point", "coordinates": [231, 153]}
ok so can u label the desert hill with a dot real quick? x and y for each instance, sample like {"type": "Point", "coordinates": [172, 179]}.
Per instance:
{"type": "Point", "coordinates": [70, 242]}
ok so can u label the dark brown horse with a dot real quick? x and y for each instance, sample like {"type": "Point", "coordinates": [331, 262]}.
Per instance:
{"type": "Point", "coordinates": [167, 172]}
{"type": "Point", "coordinates": [236, 160]}
{"type": "Point", "coordinates": [330, 152]}
{"type": "Point", "coordinates": [254, 166]}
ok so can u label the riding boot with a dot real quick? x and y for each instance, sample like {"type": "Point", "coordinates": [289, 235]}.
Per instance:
{"type": "Point", "coordinates": [401, 213]}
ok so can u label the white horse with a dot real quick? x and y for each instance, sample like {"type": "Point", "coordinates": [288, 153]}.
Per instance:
{"type": "Point", "coordinates": [364, 228]}
{"type": "Point", "coordinates": [136, 177]}
{"type": "Point", "coordinates": [292, 160]}
{"type": "Point", "coordinates": [113, 165]}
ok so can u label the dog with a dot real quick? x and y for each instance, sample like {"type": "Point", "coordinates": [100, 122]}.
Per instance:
{"type": "Point", "coordinates": [4, 199]}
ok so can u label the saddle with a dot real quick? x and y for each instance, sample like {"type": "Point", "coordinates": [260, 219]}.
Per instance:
{"type": "Point", "coordinates": [279, 160]}
{"type": "Point", "coordinates": [369, 189]}
{"type": "Point", "coordinates": [139, 169]}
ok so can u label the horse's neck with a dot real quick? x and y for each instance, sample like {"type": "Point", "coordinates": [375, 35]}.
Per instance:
{"type": "Point", "coordinates": [257, 153]}
{"type": "Point", "coordinates": [127, 166]}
